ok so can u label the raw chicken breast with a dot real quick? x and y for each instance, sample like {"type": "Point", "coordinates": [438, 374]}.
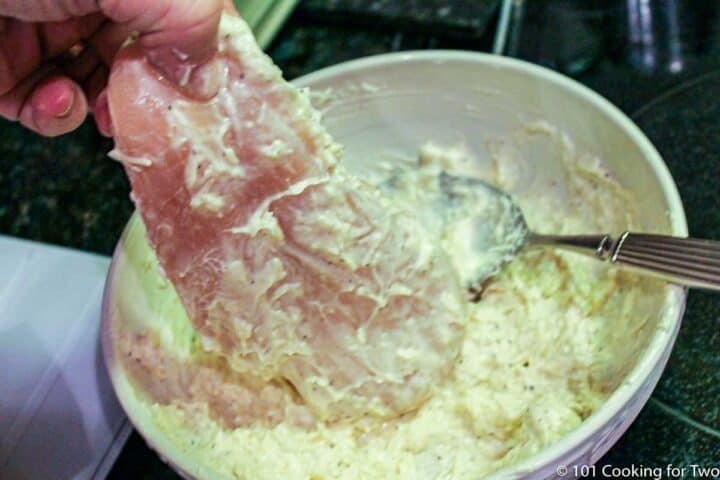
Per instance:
{"type": "Point", "coordinates": [288, 267]}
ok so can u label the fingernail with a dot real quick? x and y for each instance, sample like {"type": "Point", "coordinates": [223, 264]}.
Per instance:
{"type": "Point", "coordinates": [55, 114]}
{"type": "Point", "coordinates": [64, 104]}
{"type": "Point", "coordinates": [54, 99]}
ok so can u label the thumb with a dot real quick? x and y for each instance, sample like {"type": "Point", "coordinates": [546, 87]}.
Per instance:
{"type": "Point", "coordinates": [178, 36]}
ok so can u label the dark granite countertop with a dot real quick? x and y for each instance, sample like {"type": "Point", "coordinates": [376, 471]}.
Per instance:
{"type": "Point", "coordinates": [659, 61]}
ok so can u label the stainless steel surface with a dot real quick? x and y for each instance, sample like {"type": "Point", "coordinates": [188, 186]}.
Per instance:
{"type": "Point", "coordinates": [598, 245]}
{"type": "Point", "coordinates": [685, 261]}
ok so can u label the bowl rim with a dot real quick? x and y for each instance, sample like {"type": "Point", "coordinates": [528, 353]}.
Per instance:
{"type": "Point", "coordinates": [661, 343]}
{"type": "Point", "coordinates": [658, 347]}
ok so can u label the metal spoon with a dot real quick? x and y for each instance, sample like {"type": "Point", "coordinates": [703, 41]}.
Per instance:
{"type": "Point", "coordinates": [489, 229]}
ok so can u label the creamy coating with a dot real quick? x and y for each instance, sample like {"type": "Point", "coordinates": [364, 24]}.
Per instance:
{"type": "Point", "coordinates": [291, 269]}
{"type": "Point", "coordinates": [481, 226]}
{"type": "Point", "coordinates": [552, 336]}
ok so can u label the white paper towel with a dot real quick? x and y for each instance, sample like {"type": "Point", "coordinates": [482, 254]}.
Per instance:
{"type": "Point", "coordinates": [59, 418]}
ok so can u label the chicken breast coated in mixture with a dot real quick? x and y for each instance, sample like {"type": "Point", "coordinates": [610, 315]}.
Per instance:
{"type": "Point", "coordinates": [289, 267]}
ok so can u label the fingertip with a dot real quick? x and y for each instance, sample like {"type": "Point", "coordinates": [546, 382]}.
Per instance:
{"type": "Point", "coordinates": [205, 80]}
{"type": "Point", "coordinates": [197, 80]}
{"type": "Point", "coordinates": [184, 46]}
{"type": "Point", "coordinates": [54, 97]}
{"type": "Point", "coordinates": [56, 106]}
{"type": "Point", "coordinates": [101, 112]}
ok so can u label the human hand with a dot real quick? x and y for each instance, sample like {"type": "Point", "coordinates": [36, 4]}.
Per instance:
{"type": "Point", "coordinates": [55, 56]}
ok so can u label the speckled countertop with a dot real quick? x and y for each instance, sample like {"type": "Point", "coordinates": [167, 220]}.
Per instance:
{"type": "Point", "coordinates": [659, 61]}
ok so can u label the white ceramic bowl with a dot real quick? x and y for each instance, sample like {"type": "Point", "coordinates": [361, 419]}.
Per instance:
{"type": "Point", "coordinates": [395, 102]}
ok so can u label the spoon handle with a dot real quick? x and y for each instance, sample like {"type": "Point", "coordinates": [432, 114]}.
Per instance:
{"type": "Point", "coordinates": [686, 261]}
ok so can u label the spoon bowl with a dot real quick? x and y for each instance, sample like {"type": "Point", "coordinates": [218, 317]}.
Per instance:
{"type": "Point", "coordinates": [486, 229]}
{"type": "Point", "coordinates": [481, 226]}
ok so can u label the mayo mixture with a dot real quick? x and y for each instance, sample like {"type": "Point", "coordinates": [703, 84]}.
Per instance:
{"type": "Point", "coordinates": [547, 341]}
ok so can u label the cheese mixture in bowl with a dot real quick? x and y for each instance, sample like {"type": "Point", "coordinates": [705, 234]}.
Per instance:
{"type": "Point", "coordinates": [551, 344]}
{"type": "Point", "coordinates": [551, 336]}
